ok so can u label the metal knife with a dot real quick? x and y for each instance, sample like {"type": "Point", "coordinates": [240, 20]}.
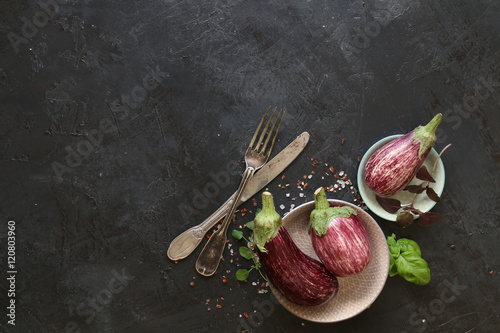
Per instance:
{"type": "Point", "coordinates": [184, 244]}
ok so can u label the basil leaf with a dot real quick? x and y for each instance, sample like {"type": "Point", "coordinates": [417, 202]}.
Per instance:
{"type": "Point", "coordinates": [394, 251]}
{"type": "Point", "coordinates": [245, 252]}
{"type": "Point", "coordinates": [394, 248]}
{"type": "Point", "coordinates": [406, 244]}
{"type": "Point", "coordinates": [391, 240]}
{"type": "Point", "coordinates": [393, 269]}
{"type": "Point", "coordinates": [250, 225]}
{"type": "Point", "coordinates": [413, 268]}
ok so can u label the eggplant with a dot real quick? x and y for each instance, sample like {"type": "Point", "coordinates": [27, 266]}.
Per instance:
{"type": "Point", "coordinates": [301, 279]}
{"type": "Point", "coordinates": [339, 237]}
{"type": "Point", "coordinates": [392, 167]}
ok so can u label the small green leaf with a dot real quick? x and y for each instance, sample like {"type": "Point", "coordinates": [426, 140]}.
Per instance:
{"type": "Point", "coordinates": [245, 252]}
{"type": "Point", "coordinates": [237, 234]}
{"type": "Point", "coordinates": [242, 274]}
{"type": "Point", "coordinates": [250, 225]}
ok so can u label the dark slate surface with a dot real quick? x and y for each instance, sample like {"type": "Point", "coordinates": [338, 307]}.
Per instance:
{"type": "Point", "coordinates": [114, 112]}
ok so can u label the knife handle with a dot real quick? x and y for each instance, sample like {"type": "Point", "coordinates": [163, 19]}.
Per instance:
{"type": "Point", "coordinates": [186, 242]}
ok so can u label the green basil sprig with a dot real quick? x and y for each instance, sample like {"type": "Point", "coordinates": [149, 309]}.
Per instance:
{"type": "Point", "coordinates": [406, 261]}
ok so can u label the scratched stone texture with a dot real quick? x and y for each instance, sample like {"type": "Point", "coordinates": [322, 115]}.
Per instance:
{"type": "Point", "coordinates": [117, 117]}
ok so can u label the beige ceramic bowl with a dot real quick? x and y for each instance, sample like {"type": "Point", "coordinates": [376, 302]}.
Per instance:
{"type": "Point", "coordinates": [356, 293]}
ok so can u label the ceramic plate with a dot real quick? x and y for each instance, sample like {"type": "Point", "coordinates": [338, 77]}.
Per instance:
{"type": "Point", "coordinates": [423, 202]}
{"type": "Point", "coordinates": [356, 293]}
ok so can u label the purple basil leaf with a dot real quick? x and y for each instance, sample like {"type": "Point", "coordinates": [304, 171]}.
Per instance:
{"type": "Point", "coordinates": [414, 188]}
{"type": "Point", "coordinates": [390, 205]}
{"type": "Point", "coordinates": [432, 195]}
{"type": "Point", "coordinates": [423, 174]}
{"type": "Point", "coordinates": [404, 219]}
{"type": "Point", "coordinates": [426, 219]}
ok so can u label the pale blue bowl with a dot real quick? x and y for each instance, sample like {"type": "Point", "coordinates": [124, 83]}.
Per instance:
{"type": "Point", "coordinates": [423, 202]}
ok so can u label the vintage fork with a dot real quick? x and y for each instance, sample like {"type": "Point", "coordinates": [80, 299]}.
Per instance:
{"type": "Point", "coordinates": [256, 156]}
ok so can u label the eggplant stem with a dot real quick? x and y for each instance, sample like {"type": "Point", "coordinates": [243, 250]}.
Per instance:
{"type": "Point", "coordinates": [320, 200]}
{"type": "Point", "coordinates": [434, 123]}
{"type": "Point", "coordinates": [267, 202]}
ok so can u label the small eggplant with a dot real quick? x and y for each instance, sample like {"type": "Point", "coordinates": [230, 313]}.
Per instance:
{"type": "Point", "coordinates": [300, 278]}
{"type": "Point", "coordinates": [392, 167]}
{"type": "Point", "coordinates": [339, 237]}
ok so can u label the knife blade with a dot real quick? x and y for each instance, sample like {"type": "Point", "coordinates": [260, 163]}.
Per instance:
{"type": "Point", "coordinates": [185, 243]}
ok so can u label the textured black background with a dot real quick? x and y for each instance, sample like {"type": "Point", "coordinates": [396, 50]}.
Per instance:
{"type": "Point", "coordinates": [358, 70]}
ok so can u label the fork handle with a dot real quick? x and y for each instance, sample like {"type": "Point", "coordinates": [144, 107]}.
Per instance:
{"type": "Point", "coordinates": [210, 256]}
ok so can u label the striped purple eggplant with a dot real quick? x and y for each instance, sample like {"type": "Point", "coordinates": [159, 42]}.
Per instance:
{"type": "Point", "coordinates": [392, 167]}
{"type": "Point", "coordinates": [300, 278]}
{"type": "Point", "coordinates": [339, 237]}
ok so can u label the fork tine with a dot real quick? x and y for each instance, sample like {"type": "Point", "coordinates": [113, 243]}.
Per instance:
{"type": "Point", "coordinates": [264, 131]}
{"type": "Point", "coordinates": [275, 128]}
{"type": "Point", "coordinates": [258, 128]}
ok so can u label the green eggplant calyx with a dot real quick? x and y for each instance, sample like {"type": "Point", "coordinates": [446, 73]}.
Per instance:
{"type": "Point", "coordinates": [266, 223]}
{"type": "Point", "coordinates": [323, 213]}
{"type": "Point", "coordinates": [427, 134]}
